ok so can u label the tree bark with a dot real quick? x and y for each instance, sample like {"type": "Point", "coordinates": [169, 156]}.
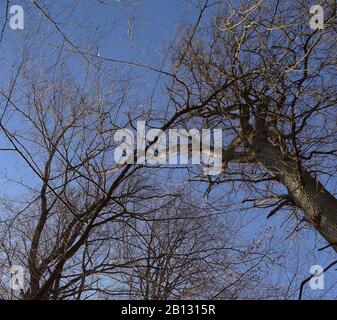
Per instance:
{"type": "Point", "coordinates": [318, 205]}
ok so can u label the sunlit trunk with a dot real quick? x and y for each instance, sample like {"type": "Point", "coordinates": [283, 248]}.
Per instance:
{"type": "Point", "coordinates": [318, 205]}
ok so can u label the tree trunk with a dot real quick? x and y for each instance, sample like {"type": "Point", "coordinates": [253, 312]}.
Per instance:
{"type": "Point", "coordinates": [318, 205]}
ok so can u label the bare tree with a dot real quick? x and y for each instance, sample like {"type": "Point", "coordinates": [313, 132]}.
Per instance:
{"type": "Point", "coordinates": [178, 252]}
{"type": "Point", "coordinates": [269, 81]}
{"type": "Point", "coordinates": [256, 70]}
